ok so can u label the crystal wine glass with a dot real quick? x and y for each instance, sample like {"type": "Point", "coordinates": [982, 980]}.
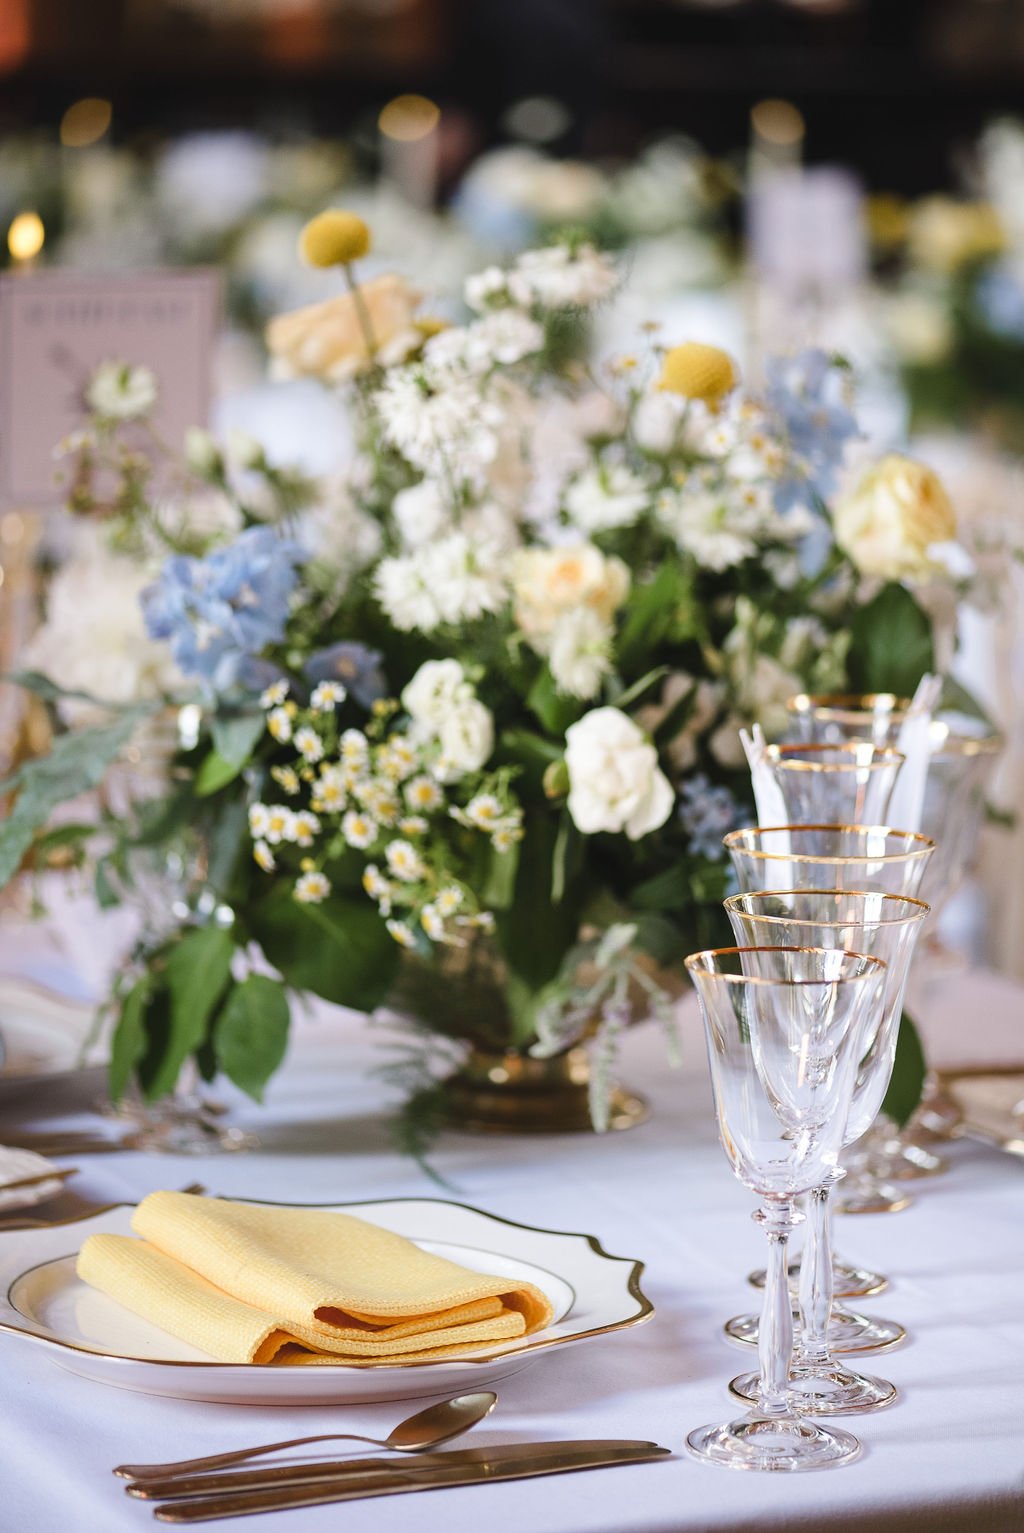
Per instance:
{"type": "Point", "coordinates": [786, 1029]}
{"type": "Point", "coordinates": [851, 782]}
{"type": "Point", "coordinates": [855, 857]}
{"type": "Point", "coordinates": [886, 926]}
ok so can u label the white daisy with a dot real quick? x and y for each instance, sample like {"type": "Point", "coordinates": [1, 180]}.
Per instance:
{"type": "Point", "coordinates": [402, 933]}
{"type": "Point", "coordinates": [327, 694]}
{"type": "Point", "coordinates": [305, 827]}
{"type": "Point", "coordinates": [423, 793]}
{"type": "Point", "coordinates": [311, 888]}
{"type": "Point", "coordinates": [405, 862]}
{"type": "Point", "coordinates": [274, 695]}
{"type": "Point", "coordinates": [279, 724]}
{"type": "Point", "coordinates": [309, 744]}
{"type": "Point", "coordinates": [264, 857]}
{"type": "Point", "coordinates": [359, 830]}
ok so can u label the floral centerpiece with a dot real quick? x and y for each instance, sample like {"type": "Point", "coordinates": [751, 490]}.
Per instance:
{"type": "Point", "coordinates": [462, 729]}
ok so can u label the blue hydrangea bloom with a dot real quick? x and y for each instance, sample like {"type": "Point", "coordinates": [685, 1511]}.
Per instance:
{"type": "Point", "coordinates": [806, 395]}
{"type": "Point", "coordinates": [218, 611]}
{"type": "Point", "coordinates": [356, 666]}
{"type": "Point", "coordinates": [707, 812]}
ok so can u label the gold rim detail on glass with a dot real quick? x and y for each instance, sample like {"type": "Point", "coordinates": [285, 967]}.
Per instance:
{"type": "Point", "coordinates": [862, 757]}
{"type": "Point", "coordinates": [735, 839]}
{"type": "Point", "coordinates": [735, 902]}
{"type": "Point", "coordinates": [693, 965]}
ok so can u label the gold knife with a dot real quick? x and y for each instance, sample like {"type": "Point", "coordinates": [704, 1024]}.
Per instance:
{"type": "Point", "coordinates": [287, 1498]}
{"type": "Point", "coordinates": [270, 1476]}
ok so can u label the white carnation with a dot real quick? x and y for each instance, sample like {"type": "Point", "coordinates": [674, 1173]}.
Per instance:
{"type": "Point", "coordinates": [580, 652]}
{"type": "Point", "coordinates": [559, 278]}
{"type": "Point", "coordinates": [466, 738]}
{"type": "Point", "coordinates": [452, 580]}
{"type": "Point", "coordinates": [434, 690]}
{"type": "Point", "coordinates": [606, 497]}
{"type": "Point", "coordinates": [420, 513]}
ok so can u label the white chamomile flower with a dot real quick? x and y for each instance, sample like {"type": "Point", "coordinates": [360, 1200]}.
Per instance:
{"type": "Point", "coordinates": [482, 921]}
{"type": "Point", "coordinates": [329, 790]}
{"type": "Point", "coordinates": [359, 830]}
{"type": "Point", "coordinates": [264, 857]}
{"type": "Point", "coordinates": [278, 825]}
{"type": "Point", "coordinates": [423, 793]}
{"type": "Point", "coordinates": [259, 819]}
{"type": "Point", "coordinates": [279, 723]}
{"type": "Point", "coordinates": [383, 801]}
{"type": "Point", "coordinates": [274, 695]}
{"type": "Point", "coordinates": [505, 837]}
{"type": "Point", "coordinates": [432, 922]}
{"type": "Point", "coordinates": [375, 884]}
{"type": "Point", "coordinates": [449, 900]}
{"type": "Point", "coordinates": [405, 862]}
{"type": "Point", "coordinates": [402, 933]}
{"type": "Point", "coordinates": [354, 748]}
{"type": "Point", "coordinates": [484, 811]}
{"type": "Point", "coordinates": [309, 744]}
{"type": "Point", "coordinates": [311, 888]}
{"type": "Point", "coordinates": [397, 758]}
{"type": "Point", "coordinates": [304, 827]}
{"type": "Point", "coordinates": [287, 777]}
{"type": "Point", "coordinates": [327, 694]}
{"type": "Point", "coordinates": [413, 825]}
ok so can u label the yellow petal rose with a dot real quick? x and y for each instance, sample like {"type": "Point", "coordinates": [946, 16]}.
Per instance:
{"type": "Point", "coordinates": [548, 582]}
{"type": "Point", "coordinates": [697, 371]}
{"type": "Point", "coordinates": [327, 340]}
{"type": "Point", "coordinates": [334, 238]}
{"type": "Point", "coordinates": [890, 520]}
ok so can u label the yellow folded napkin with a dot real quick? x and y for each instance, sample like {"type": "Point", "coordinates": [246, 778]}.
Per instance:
{"type": "Point", "coordinates": [259, 1284]}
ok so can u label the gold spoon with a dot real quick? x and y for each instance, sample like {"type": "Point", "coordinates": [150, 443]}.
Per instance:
{"type": "Point", "coordinates": [427, 1429]}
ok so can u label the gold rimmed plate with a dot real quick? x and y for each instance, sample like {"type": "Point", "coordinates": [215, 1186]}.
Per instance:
{"type": "Point", "coordinates": [85, 1332]}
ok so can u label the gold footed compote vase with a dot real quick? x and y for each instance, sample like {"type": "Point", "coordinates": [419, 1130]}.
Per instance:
{"type": "Point", "coordinates": [785, 1029]}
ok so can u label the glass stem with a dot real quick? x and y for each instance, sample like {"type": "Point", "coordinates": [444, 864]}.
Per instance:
{"type": "Point", "coordinates": [775, 1334]}
{"type": "Point", "coordinates": [815, 1295]}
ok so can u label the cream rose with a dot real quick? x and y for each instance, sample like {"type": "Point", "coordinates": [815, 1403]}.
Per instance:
{"type": "Point", "coordinates": [326, 340]}
{"type": "Point", "coordinates": [615, 782]}
{"type": "Point", "coordinates": [466, 738]}
{"type": "Point", "coordinates": [549, 582]}
{"type": "Point", "coordinates": [888, 522]}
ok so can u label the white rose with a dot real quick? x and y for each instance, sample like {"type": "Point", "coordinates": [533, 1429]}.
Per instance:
{"type": "Point", "coordinates": [434, 692]}
{"type": "Point", "coordinates": [466, 737]}
{"type": "Point", "coordinates": [202, 454]}
{"type": "Point", "coordinates": [119, 391]}
{"type": "Point", "coordinates": [615, 782]}
{"type": "Point", "coordinates": [244, 450]}
{"type": "Point", "coordinates": [892, 517]}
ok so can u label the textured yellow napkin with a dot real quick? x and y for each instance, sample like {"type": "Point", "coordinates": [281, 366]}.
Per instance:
{"type": "Point", "coordinates": [289, 1285]}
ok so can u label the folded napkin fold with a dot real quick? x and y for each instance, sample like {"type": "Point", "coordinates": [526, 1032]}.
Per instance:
{"type": "Point", "coordinates": [252, 1283]}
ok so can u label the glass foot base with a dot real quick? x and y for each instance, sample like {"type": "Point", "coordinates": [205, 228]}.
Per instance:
{"type": "Point", "coordinates": [830, 1390]}
{"type": "Point", "coordinates": [180, 1126]}
{"type": "Point", "coordinates": [871, 1197]}
{"type": "Point", "coordinates": [910, 1161]}
{"type": "Point", "coordinates": [781, 1445]}
{"type": "Point", "coordinates": [848, 1331]}
{"type": "Point", "coordinates": [848, 1282]}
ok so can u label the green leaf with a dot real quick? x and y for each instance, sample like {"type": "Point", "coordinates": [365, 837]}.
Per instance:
{"type": "Point", "coordinates": [669, 890]}
{"type": "Point", "coordinates": [50, 692]}
{"type": "Point", "coordinates": [106, 892]}
{"type": "Point", "coordinates": [636, 691]}
{"type": "Point", "coordinates": [340, 949]}
{"type": "Point", "coordinates": [214, 774]}
{"type": "Point", "coordinates": [535, 932]}
{"type": "Point", "coordinates": [499, 886]}
{"type": "Point", "coordinates": [76, 764]}
{"type": "Point", "coordinates": [197, 972]}
{"type": "Point", "coordinates": [129, 1041]}
{"type": "Point", "coordinates": [555, 710]}
{"type": "Point", "coordinates": [251, 1033]}
{"type": "Point", "coordinates": [892, 643]}
{"type": "Point", "coordinates": [908, 1072]}
{"type": "Point", "coordinates": [236, 735]}
{"type": "Point", "coordinates": [655, 611]}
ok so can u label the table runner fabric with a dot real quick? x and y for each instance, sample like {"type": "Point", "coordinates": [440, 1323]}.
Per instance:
{"type": "Point", "coordinates": [270, 1285]}
{"type": "Point", "coordinates": [949, 1458]}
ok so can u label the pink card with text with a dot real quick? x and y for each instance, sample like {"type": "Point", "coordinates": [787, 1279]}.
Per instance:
{"type": "Point", "coordinates": [57, 326]}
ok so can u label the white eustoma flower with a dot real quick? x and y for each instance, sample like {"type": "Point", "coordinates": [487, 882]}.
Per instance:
{"type": "Point", "coordinates": [466, 737]}
{"type": "Point", "coordinates": [483, 287]}
{"type": "Point", "coordinates": [580, 652]}
{"type": "Point", "coordinates": [122, 392]}
{"type": "Point", "coordinates": [615, 783]}
{"type": "Point", "coordinates": [704, 524]}
{"type": "Point", "coordinates": [202, 454]}
{"type": "Point", "coordinates": [434, 690]}
{"type": "Point", "coordinates": [658, 420]}
{"type": "Point", "coordinates": [606, 497]}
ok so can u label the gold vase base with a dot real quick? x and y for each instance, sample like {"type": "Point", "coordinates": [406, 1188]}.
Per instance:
{"type": "Point", "coordinates": [512, 1093]}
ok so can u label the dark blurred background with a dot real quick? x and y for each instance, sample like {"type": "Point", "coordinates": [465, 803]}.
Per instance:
{"type": "Point", "coordinates": [894, 88]}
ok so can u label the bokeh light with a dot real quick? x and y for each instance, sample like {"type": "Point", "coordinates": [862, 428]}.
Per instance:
{"type": "Point", "coordinates": [408, 118]}
{"type": "Point", "coordinates": [85, 122]}
{"type": "Point", "coordinates": [777, 122]}
{"type": "Point", "coordinates": [25, 236]}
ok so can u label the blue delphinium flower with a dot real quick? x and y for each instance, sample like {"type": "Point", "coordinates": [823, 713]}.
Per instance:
{"type": "Point", "coordinates": [999, 296]}
{"type": "Point", "coordinates": [807, 395]}
{"type": "Point", "coordinates": [355, 665]}
{"type": "Point", "coordinates": [707, 812]}
{"type": "Point", "coordinates": [218, 611]}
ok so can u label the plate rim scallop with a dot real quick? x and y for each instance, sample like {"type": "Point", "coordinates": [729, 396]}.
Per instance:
{"type": "Point", "coordinates": [644, 1311]}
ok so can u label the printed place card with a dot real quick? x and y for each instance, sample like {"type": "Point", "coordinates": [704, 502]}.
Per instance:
{"type": "Point", "coordinates": [56, 327]}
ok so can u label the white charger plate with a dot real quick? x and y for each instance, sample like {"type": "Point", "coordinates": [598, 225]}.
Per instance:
{"type": "Point", "coordinates": [89, 1334]}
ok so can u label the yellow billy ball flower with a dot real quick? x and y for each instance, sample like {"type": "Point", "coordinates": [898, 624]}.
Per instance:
{"type": "Point", "coordinates": [334, 238]}
{"type": "Point", "coordinates": [697, 371]}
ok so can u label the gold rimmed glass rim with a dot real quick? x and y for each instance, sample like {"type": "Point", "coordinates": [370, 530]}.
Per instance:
{"type": "Point", "coordinates": [968, 745]}
{"type": "Point", "coordinates": [850, 707]}
{"type": "Point", "coordinates": [874, 966]}
{"type": "Point", "coordinates": [735, 902]}
{"type": "Point", "coordinates": [862, 757]}
{"type": "Point", "coordinates": [735, 839]}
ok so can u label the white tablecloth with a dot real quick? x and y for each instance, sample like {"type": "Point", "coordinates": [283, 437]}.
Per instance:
{"type": "Point", "coordinates": [949, 1455]}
